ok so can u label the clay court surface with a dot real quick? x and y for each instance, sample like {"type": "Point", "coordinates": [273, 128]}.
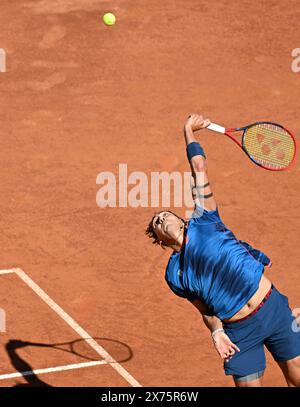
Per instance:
{"type": "Point", "coordinates": [78, 98]}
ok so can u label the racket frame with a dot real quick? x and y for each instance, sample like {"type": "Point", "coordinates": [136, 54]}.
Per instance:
{"type": "Point", "coordinates": [227, 131]}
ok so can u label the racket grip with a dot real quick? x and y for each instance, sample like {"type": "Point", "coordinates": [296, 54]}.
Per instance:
{"type": "Point", "coordinates": [216, 127]}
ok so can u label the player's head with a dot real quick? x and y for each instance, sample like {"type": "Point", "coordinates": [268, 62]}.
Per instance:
{"type": "Point", "coordinates": [164, 228]}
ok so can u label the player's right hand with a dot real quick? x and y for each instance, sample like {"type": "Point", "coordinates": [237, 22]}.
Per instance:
{"type": "Point", "coordinates": [197, 122]}
{"type": "Point", "coordinates": [225, 348]}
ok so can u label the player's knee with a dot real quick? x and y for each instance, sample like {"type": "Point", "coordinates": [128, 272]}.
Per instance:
{"type": "Point", "coordinates": [293, 381]}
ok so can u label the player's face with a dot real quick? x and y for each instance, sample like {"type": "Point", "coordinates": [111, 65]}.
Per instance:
{"type": "Point", "coordinates": [166, 226]}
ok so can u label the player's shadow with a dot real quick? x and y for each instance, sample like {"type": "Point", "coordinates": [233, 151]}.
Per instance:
{"type": "Point", "coordinates": [120, 351]}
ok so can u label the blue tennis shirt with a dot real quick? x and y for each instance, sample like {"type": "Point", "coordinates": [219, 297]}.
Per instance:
{"type": "Point", "coordinates": [214, 267]}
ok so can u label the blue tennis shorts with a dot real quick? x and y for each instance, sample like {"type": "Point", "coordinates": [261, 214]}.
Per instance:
{"type": "Point", "coordinates": [271, 326]}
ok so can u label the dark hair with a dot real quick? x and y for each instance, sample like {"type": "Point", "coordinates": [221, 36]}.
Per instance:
{"type": "Point", "coordinates": [150, 231]}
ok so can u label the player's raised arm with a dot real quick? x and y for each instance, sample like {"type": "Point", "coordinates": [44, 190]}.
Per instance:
{"type": "Point", "coordinates": [201, 190]}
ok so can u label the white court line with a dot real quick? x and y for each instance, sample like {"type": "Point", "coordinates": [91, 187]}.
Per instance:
{"type": "Point", "coordinates": [7, 271]}
{"type": "Point", "coordinates": [76, 327]}
{"type": "Point", "coordinates": [52, 369]}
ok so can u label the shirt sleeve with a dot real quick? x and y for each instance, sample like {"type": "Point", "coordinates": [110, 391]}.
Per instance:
{"type": "Point", "coordinates": [257, 254]}
{"type": "Point", "coordinates": [200, 213]}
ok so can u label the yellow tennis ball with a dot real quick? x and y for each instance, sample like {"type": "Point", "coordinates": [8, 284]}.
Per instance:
{"type": "Point", "coordinates": [109, 19]}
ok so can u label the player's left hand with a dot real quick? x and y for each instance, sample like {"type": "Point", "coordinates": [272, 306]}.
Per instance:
{"type": "Point", "coordinates": [197, 122]}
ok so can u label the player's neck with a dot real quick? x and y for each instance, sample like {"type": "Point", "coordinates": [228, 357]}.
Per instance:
{"type": "Point", "coordinates": [177, 245]}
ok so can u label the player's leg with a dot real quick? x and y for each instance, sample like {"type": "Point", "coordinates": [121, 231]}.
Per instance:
{"type": "Point", "coordinates": [247, 366]}
{"type": "Point", "coordinates": [291, 370]}
{"type": "Point", "coordinates": [284, 342]}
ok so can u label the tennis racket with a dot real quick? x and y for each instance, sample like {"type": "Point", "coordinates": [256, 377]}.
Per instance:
{"type": "Point", "coordinates": [267, 144]}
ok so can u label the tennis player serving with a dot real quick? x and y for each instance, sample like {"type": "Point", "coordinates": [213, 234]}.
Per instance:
{"type": "Point", "coordinates": [223, 277]}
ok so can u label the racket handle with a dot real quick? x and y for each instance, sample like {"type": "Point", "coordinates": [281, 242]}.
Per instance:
{"type": "Point", "coordinates": [216, 127]}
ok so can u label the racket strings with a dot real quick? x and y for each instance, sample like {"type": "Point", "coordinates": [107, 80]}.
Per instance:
{"type": "Point", "coordinates": [269, 145]}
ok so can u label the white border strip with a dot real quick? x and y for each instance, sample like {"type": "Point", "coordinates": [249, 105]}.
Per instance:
{"type": "Point", "coordinates": [52, 369]}
{"type": "Point", "coordinates": [75, 326]}
{"type": "Point", "coordinates": [7, 271]}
